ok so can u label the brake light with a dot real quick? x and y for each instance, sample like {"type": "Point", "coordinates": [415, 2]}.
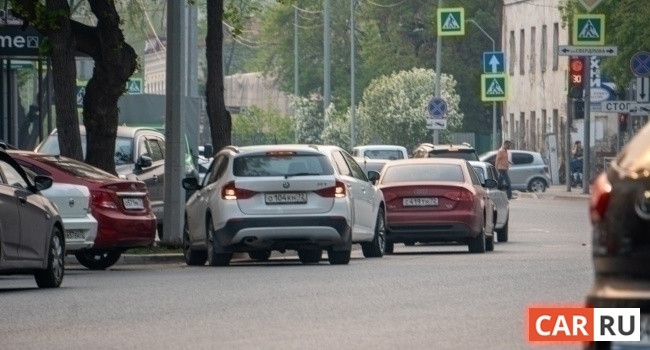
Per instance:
{"type": "Point", "coordinates": [230, 191]}
{"type": "Point", "coordinates": [101, 199]}
{"type": "Point", "coordinates": [336, 191]}
{"type": "Point", "coordinates": [599, 201]}
{"type": "Point", "coordinates": [459, 195]}
{"type": "Point", "coordinates": [389, 195]}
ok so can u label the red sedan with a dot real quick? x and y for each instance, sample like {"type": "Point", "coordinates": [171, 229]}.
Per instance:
{"type": "Point", "coordinates": [436, 200]}
{"type": "Point", "coordinates": [121, 207]}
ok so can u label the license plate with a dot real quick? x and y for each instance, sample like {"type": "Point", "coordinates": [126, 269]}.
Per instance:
{"type": "Point", "coordinates": [74, 235]}
{"type": "Point", "coordinates": [420, 202]}
{"type": "Point", "coordinates": [286, 198]}
{"type": "Point", "coordinates": [644, 342]}
{"type": "Point", "coordinates": [133, 203]}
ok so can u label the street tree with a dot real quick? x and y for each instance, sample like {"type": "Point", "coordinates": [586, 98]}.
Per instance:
{"type": "Point", "coordinates": [393, 109]}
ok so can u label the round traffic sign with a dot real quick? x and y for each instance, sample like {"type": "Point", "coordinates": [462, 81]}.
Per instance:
{"type": "Point", "coordinates": [437, 107]}
{"type": "Point", "coordinates": [640, 64]}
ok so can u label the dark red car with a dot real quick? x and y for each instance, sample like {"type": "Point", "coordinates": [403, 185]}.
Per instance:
{"type": "Point", "coordinates": [121, 207]}
{"type": "Point", "coordinates": [437, 200]}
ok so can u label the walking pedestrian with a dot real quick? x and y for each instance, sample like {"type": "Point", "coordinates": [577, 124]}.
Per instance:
{"type": "Point", "coordinates": [502, 163]}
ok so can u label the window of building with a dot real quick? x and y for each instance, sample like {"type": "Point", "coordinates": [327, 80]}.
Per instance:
{"type": "Point", "coordinates": [533, 55]}
{"type": "Point", "coordinates": [522, 50]}
{"type": "Point", "coordinates": [513, 52]}
{"type": "Point", "coordinates": [542, 52]}
{"type": "Point", "coordinates": [556, 38]}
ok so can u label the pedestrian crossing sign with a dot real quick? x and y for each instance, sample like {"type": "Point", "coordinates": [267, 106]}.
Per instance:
{"type": "Point", "coordinates": [451, 21]}
{"type": "Point", "coordinates": [588, 29]}
{"type": "Point", "coordinates": [494, 87]}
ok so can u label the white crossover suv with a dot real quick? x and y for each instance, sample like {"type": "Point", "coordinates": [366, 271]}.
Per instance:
{"type": "Point", "coordinates": [257, 199]}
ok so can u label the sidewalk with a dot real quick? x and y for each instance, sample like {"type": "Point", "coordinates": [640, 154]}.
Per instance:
{"type": "Point", "coordinates": [556, 192]}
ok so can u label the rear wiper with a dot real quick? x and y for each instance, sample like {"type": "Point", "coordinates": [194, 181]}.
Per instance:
{"type": "Point", "coordinates": [300, 174]}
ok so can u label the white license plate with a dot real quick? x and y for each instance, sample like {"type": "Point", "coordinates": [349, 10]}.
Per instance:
{"type": "Point", "coordinates": [74, 235]}
{"type": "Point", "coordinates": [286, 198]}
{"type": "Point", "coordinates": [133, 203]}
{"type": "Point", "coordinates": [420, 202]}
{"type": "Point", "coordinates": [644, 342]}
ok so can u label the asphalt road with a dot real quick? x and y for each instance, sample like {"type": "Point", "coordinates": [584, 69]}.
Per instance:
{"type": "Point", "coordinates": [422, 297]}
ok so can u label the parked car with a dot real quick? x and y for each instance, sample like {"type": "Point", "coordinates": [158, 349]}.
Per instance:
{"type": "Point", "coordinates": [499, 197]}
{"type": "Point", "coordinates": [437, 200]}
{"type": "Point", "coordinates": [31, 229]}
{"type": "Point", "coordinates": [121, 207]}
{"type": "Point", "coordinates": [620, 217]}
{"type": "Point", "coordinates": [429, 150]}
{"type": "Point", "coordinates": [257, 199]}
{"type": "Point", "coordinates": [528, 172]}
{"type": "Point", "coordinates": [387, 152]}
{"type": "Point", "coordinates": [139, 155]}
{"type": "Point", "coordinates": [73, 202]}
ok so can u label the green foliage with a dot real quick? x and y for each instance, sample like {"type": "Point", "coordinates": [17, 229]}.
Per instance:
{"type": "Point", "coordinates": [393, 108]}
{"type": "Point", "coordinates": [308, 120]}
{"type": "Point", "coordinates": [256, 126]}
{"type": "Point", "coordinates": [337, 131]}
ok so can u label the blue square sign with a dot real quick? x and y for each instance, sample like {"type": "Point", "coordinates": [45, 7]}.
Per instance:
{"type": "Point", "coordinates": [494, 62]}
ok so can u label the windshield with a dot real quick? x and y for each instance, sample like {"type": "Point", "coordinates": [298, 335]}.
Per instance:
{"type": "Point", "coordinates": [123, 148]}
{"type": "Point", "coordinates": [274, 165]}
{"type": "Point", "coordinates": [384, 154]}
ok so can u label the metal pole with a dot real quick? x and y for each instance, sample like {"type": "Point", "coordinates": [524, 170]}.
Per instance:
{"type": "Point", "coordinates": [436, 135]}
{"type": "Point", "coordinates": [352, 77]}
{"type": "Point", "coordinates": [567, 143]}
{"type": "Point", "coordinates": [586, 168]}
{"type": "Point", "coordinates": [326, 60]}
{"type": "Point", "coordinates": [295, 63]}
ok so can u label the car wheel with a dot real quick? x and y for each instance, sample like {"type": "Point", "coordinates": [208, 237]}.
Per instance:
{"type": "Point", "coordinates": [98, 260]}
{"type": "Point", "coordinates": [502, 234]}
{"type": "Point", "coordinates": [52, 276]}
{"type": "Point", "coordinates": [376, 247]}
{"type": "Point", "coordinates": [537, 185]}
{"type": "Point", "coordinates": [260, 255]}
{"type": "Point", "coordinates": [215, 257]}
{"type": "Point", "coordinates": [489, 243]}
{"type": "Point", "coordinates": [477, 244]}
{"type": "Point", "coordinates": [310, 256]}
{"type": "Point", "coordinates": [159, 231]}
{"type": "Point", "coordinates": [338, 257]}
{"type": "Point", "coordinates": [390, 246]}
{"type": "Point", "coordinates": [192, 257]}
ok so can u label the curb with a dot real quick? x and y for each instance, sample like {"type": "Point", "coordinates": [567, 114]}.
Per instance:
{"type": "Point", "coordinates": [567, 196]}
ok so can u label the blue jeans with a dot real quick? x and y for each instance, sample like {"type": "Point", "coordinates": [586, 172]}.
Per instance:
{"type": "Point", "coordinates": [504, 177]}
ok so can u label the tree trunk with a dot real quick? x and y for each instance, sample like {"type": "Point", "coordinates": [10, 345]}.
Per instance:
{"type": "Point", "coordinates": [219, 117]}
{"type": "Point", "coordinates": [115, 62]}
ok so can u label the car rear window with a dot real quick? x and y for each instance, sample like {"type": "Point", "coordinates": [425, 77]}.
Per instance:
{"type": "Point", "coordinates": [384, 154]}
{"type": "Point", "coordinates": [282, 165]}
{"type": "Point", "coordinates": [457, 154]}
{"type": "Point", "coordinates": [123, 148]}
{"type": "Point", "coordinates": [423, 172]}
{"type": "Point", "coordinates": [77, 168]}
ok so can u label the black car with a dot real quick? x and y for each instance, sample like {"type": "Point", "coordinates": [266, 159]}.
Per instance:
{"type": "Point", "coordinates": [620, 215]}
{"type": "Point", "coordinates": [31, 230]}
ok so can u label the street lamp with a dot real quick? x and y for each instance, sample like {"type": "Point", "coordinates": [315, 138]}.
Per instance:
{"type": "Point", "coordinates": [494, 104]}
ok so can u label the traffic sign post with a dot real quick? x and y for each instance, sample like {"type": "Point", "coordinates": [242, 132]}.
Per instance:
{"type": "Point", "coordinates": [437, 107]}
{"type": "Point", "coordinates": [624, 107]}
{"type": "Point", "coordinates": [643, 89]}
{"type": "Point", "coordinates": [451, 21]}
{"type": "Point", "coordinates": [494, 62]}
{"type": "Point", "coordinates": [436, 124]}
{"type": "Point", "coordinates": [493, 87]}
{"type": "Point", "coordinates": [640, 64]}
{"type": "Point", "coordinates": [567, 50]}
{"type": "Point", "coordinates": [588, 29]}
{"type": "Point", "coordinates": [589, 5]}
{"type": "Point", "coordinates": [134, 86]}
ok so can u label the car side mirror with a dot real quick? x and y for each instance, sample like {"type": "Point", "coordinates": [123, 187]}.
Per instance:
{"type": "Point", "coordinates": [491, 183]}
{"type": "Point", "coordinates": [143, 162]}
{"type": "Point", "coordinates": [42, 182]}
{"type": "Point", "coordinates": [191, 184]}
{"type": "Point", "coordinates": [373, 176]}
{"type": "Point", "coordinates": [208, 151]}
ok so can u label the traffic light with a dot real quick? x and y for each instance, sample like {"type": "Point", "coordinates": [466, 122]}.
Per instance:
{"type": "Point", "coordinates": [622, 122]}
{"type": "Point", "coordinates": [578, 109]}
{"type": "Point", "coordinates": [576, 74]}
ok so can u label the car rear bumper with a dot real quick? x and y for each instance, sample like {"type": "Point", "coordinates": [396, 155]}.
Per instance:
{"type": "Point", "coordinates": [620, 292]}
{"type": "Point", "coordinates": [117, 230]}
{"type": "Point", "coordinates": [284, 233]}
{"type": "Point", "coordinates": [80, 233]}
{"type": "Point", "coordinates": [443, 226]}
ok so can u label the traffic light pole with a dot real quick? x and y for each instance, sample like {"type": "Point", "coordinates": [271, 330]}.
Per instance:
{"type": "Point", "coordinates": [586, 169]}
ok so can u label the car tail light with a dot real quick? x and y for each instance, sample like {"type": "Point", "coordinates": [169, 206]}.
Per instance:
{"type": "Point", "coordinates": [102, 199]}
{"type": "Point", "coordinates": [389, 195]}
{"type": "Point", "coordinates": [599, 198]}
{"type": "Point", "coordinates": [230, 191]}
{"type": "Point", "coordinates": [459, 195]}
{"type": "Point", "coordinates": [336, 191]}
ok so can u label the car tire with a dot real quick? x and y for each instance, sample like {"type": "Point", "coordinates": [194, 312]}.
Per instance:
{"type": "Point", "coordinates": [537, 185]}
{"type": "Point", "coordinates": [390, 246]}
{"type": "Point", "coordinates": [489, 243]}
{"type": "Point", "coordinates": [192, 257]}
{"type": "Point", "coordinates": [376, 247]}
{"type": "Point", "coordinates": [338, 257]}
{"type": "Point", "coordinates": [216, 257]}
{"type": "Point", "coordinates": [52, 276]}
{"type": "Point", "coordinates": [260, 255]}
{"type": "Point", "coordinates": [502, 233]}
{"type": "Point", "coordinates": [98, 260]}
{"type": "Point", "coordinates": [310, 256]}
{"type": "Point", "coordinates": [477, 244]}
